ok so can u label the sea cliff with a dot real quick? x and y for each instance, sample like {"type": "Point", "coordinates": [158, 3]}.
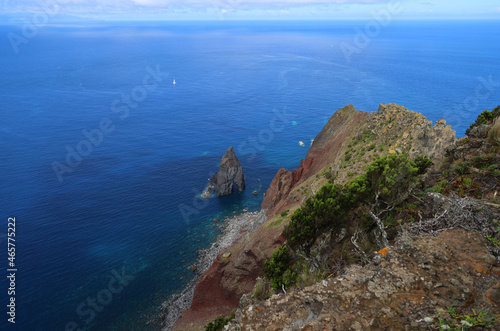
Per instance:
{"type": "Point", "coordinates": [412, 279]}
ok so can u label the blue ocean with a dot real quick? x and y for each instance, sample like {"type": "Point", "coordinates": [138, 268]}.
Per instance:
{"type": "Point", "coordinates": [103, 158]}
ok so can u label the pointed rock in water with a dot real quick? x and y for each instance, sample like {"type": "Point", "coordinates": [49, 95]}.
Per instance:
{"type": "Point", "coordinates": [230, 173]}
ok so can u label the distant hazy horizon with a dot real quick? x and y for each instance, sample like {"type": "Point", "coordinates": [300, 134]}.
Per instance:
{"type": "Point", "coordinates": [52, 11]}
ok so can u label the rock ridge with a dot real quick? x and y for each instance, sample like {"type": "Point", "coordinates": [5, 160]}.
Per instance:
{"type": "Point", "coordinates": [342, 150]}
{"type": "Point", "coordinates": [349, 142]}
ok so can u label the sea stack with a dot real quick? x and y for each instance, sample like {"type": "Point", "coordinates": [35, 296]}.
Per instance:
{"type": "Point", "coordinates": [230, 174]}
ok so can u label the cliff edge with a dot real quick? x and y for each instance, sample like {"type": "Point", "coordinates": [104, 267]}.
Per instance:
{"type": "Point", "coordinates": [435, 256]}
{"type": "Point", "coordinates": [407, 288]}
{"type": "Point", "coordinates": [349, 142]}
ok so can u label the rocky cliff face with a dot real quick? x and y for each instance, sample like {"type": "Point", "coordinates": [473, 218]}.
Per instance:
{"type": "Point", "coordinates": [230, 174]}
{"type": "Point", "coordinates": [440, 272]}
{"type": "Point", "coordinates": [404, 288]}
{"type": "Point", "coordinates": [323, 152]}
{"type": "Point", "coordinates": [231, 275]}
{"type": "Point", "coordinates": [418, 275]}
{"type": "Point", "coordinates": [349, 142]}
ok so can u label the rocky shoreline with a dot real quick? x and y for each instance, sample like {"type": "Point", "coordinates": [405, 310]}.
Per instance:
{"type": "Point", "coordinates": [233, 230]}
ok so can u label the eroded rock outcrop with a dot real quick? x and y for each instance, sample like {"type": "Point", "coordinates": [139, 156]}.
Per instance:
{"type": "Point", "coordinates": [323, 152]}
{"type": "Point", "coordinates": [347, 144]}
{"type": "Point", "coordinates": [231, 275]}
{"type": "Point", "coordinates": [230, 174]}
{"type": "Point", "coordinates": [351, 140]}
{"type": "Point", "coordinates": [403, 290]}
{"type": "Point", "coordinates": [412, 132]}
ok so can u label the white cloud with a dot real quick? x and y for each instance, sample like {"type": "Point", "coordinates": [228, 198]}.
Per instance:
{"type": "Point", "coordinates": [135, 8]}
{"type": "Point", "coordinates": [234, 4]}
{"type": "Point", "coordinates": [248, 3]}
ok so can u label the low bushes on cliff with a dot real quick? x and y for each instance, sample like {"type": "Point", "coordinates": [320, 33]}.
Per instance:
{"type": "Point", "coordinates": [329, 206]}
{"type": "Point", "coordinates": [279, 269]}
{"type": "Point", "coordinates": [219, 323]}
{"type": "Point", "coordinates": [486, 117]}
{"type": "Point", "coordinates": [472, 167]}
{"type": "Point", "coordinates": [387, 181]}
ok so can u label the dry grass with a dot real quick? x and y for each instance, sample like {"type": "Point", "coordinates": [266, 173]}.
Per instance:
{"type": "Point", "coordinates": [307, 278]}
{"type": "Point", "coordinates": [262, 289]}
{"type": "Point", "coordinates": [494, 133]}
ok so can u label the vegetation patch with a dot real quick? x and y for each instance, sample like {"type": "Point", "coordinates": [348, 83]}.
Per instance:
{"type": "Point", "coordinates": [219, 323]}
{"type": "Point", "coordinates": [486, 117]}
{"type": "Point", "coordinates": [451, 320]}
{"type": "Point", "coordinates": [279, 269]}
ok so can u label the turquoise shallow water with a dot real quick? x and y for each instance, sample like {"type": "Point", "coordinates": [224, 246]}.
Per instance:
{"type": "Point", "coordinates": [129, 205]}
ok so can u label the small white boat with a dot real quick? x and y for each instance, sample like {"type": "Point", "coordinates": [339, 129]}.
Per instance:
{"type": "Point", "coordinates": [174, 82]}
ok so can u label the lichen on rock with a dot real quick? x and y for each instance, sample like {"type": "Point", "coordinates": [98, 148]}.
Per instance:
{"type": "Point", "coordinates": [400, 294]}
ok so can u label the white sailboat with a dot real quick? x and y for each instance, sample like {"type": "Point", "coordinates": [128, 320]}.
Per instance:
{"type": "Point", "coordinates": [174, 82]}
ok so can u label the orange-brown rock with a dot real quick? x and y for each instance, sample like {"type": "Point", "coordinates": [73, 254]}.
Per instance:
{"type": "Point", "coordinates": [219, 290]}
{"type": "Point", "coordinates": [392, 129]}
{"type": "Point", "coordinates": [419, 278]}
{"type": "Point", "coordinates": [323, 152]}
{"type": "Point", "coordinates": [492, 296]}
{"type": "Point", "coordinates": [351, 140]}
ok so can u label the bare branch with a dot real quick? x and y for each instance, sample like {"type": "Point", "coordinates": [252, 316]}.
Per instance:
{"type": "Point", "coordinates": [384, 243]}
{"type": "Point", "coordinates": [455, 212]}
{"type": "Point", "coordinates": [354, 238]}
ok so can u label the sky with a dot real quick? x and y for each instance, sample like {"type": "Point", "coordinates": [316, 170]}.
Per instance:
{"type": "Point", "coordinates": [153, 10]}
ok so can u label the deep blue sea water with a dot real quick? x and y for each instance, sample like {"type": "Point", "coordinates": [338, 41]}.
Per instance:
{"type": "Point", "coordinates": [258, 86]}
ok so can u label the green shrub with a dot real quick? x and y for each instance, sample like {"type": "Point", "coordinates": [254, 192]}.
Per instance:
{"type": "Point", "coordinates": [330, 204]}
{"type": "Point", "coordinates": [279, 269]}
{"type": "Point", "coordinates": [328, 174]}
{"type": "Point", "coordinates": [387, 179]}
{"type": "Point", "coordinates": [462, 168]}
{"type": "Point", "coordinates": [496, 111]}
{"type": "Point", "coordinates": [284, 212]}
{"type": "Point", "coordinates": [219, 323]}
{"type": "Point", "coordinates": [423, 163]}
{"type": "Point", "coordinates": [494, 241]}
{"type": "Point", "coordinates": [456, 321]}
{"type": "Point", "coordinates": [440, 187]}
{"type": "Point", "coordinates": [484, 118]}
{"type": "Point", "coordinates": [289, 278]}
